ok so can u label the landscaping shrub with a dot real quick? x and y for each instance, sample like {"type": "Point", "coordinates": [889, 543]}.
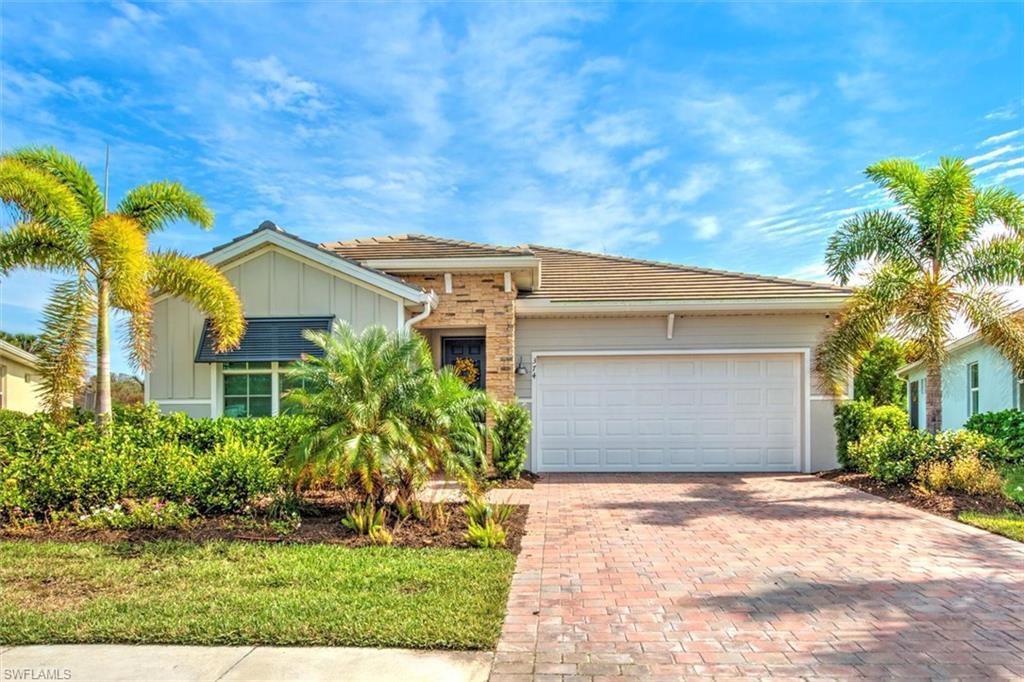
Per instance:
{"type": "Point", "coordinates": [1007, 426]}
{"type": "Point", "coordinates": [152, 513]}
{"type": "Point", "coordinates": [892, 457]}
{"type": "Point", "coordinates": [856, 420]}
{"type": "Point", "coordinates": [966, 473]}
{"type": "Point", "coordinates": [48, 467]}
{"type": "Point", "coordinates": [510, 436]}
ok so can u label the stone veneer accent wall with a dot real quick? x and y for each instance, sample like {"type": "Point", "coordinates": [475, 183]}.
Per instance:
{"type": "Point", "coordinates": [478, 300]}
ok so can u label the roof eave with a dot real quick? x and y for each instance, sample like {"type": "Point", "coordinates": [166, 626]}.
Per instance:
{"type": "Point", "coordinates": [828, 303]}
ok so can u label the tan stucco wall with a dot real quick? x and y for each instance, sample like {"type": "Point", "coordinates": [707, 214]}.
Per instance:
{"type": "Point", "coordinates": [20, 384]}
{"type": "Point", "coordinates": [271, 283]}
{"type": "Point", "coordinates": [715, 332]}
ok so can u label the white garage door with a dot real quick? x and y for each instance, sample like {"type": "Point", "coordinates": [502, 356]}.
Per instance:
{"type": "Point", "coordinates": [668, 413]}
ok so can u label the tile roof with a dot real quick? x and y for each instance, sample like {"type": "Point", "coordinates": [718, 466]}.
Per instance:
{"type": "Point", "coordinates": [418, 246]}
{"type": "Point", "coordinates": [579, 276]}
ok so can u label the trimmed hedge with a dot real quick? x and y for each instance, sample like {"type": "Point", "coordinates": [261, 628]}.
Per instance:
{"type": "Point", "coordinates": [215, 465]}
{"type": "Point", "coordinates": [895, 457]}
{"type": "Point", "coordinates": [1007, 426]}
{"type": "Point", "coordinates": [855, 420]}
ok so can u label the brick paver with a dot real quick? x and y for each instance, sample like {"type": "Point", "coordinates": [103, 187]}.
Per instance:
{"type": "Point", "coordinates": [747, 577]}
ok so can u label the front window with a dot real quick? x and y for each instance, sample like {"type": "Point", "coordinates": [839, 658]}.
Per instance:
{"type": "Point", "coordinates": [1018, 394]}
{"type": "Point", "coordinates": [248, 389]}
{"type": "Point", "coordinates": [973, 389]}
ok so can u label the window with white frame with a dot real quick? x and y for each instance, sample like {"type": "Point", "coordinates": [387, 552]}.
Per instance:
{"type": "Point", "coordinates": [973, 389]}
{"type": "Point", "coordinates": [3, 387]}
{"type": "Point", "coordinates": [257, 389]}
{"type": "Point", "coordinates": [1018, 393]}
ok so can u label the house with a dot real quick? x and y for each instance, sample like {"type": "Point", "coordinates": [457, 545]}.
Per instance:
{"type": "Point", "coordinates": [625, 364]}
{"type": "Point", "coordinates": [975, 378]}
{"type": "Point", "coordinates": [19, 376]}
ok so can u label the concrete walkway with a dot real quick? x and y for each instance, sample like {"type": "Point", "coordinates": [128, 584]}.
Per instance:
{"type": "Point", "coordinates": [127, 663]}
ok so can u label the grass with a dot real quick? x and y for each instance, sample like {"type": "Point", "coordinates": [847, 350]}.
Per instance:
{"type": "Point", "coordinates": [1014, 485]}
{"type": "Point", "coordinates": [240, 593]}
{"type": "Point", "coordinates": [1009, 524]}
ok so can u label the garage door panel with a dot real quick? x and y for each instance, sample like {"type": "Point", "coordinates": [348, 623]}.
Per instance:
{"type": "Point", "coordinates": [653, 413]}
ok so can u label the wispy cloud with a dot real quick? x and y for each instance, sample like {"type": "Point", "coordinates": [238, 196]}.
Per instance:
{"type": "Point", "coordinates": [1007, 112]}
{"type": "Point", "coordinates": [706, 227]}
{"type": "Point", "coordinates": [698, 182]}
{"type": "Point", "coordinates": [1006, 175]}
{"type": "Point", "coordinates": [1001, 137]}
{"type": "Point", "coordinates": [989, 167]}
{"type": "Point", "coordinates": [994, 154]}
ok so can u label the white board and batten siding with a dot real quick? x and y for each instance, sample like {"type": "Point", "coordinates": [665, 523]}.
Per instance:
{"type": "Point", "coordinates": [726, 393]}
{"type": "Point", "coordinates": [270, 282]}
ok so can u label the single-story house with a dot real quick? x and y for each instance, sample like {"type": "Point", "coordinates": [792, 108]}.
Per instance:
{"type": "Point", "coordinates": [625, 364]}
{"type": "Point", "coordinates": [975, 378]}
{"type": "Point", "coordinates": [19, 379]}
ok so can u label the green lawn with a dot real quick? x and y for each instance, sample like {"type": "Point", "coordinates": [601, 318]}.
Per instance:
{"type": "Point", "coordinates": [241, 593]}
{"type": "Point", "coordinates": [1008, 524]}
{"type": "Point", "coordinates": [1014, 486]}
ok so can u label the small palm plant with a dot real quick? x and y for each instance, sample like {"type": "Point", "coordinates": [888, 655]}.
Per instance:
{"type": "Point", "coordinates": [388, 420]}
{"type": "Point", "coordinates": [928, 265]}
{"type": "Point", "coordinates": [63, 226]}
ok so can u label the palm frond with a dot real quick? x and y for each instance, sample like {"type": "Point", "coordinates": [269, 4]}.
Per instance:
{"type": "Point", "coordinates": [69, 172]}
{"type": "Point", "coordinates": [65, 342]}
{"type": "Point", "coordinates": [38, 196]}
{"type": "Point", "coordinates": [991, 314]}
{"type": "Point", "coordinates": [120, 248]}
{"type": "Point", "coordinates": [948, 208]}
{"type": "Point", "coordinates": [999, 204]}
{"type": "Point", "coordinates": [38, 245]}
{"type": "Point", "coordinates": [885, 235]}
{"type": "Point", "coordinates": [155, 205]}
{"type": "Point", "coordinates": [903, 179]}
{"type": "Point", "coordinates": [865, 315]}
{"type": "Point", "coordinates": [205, 287]}
{"type": "Point", "coordinates": [999, 261]}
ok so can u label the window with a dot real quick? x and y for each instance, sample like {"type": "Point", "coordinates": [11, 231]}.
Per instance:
{"type": "Point", "coordinates": [3, 387]}
{"type": "Point", "coordinates": [914, 404]}
{"type": "Point", "coordinates": [973, 390]}
{"type": "Point", "coordinates": [257, 389]}
{"type": "Point", "coordinates": [1018, 394]}
{"type": "Point", "coordinates": [248, 389]}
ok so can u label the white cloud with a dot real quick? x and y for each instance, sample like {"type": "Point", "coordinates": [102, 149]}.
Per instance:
{"type": "Point", "coordinates": [870, 88]}
{"type": "Point", "coordinates": [277, 89]}
{"type": "Point", "coordinates": [707, 227]}
{"type": "Point", "coordinates": [1004, 113]}
{"type": "Point", "coordinates": [989, 167]}
{"type": "Point", "coordinates": [995, 153]}
{"type": "Point", "coordinates": [1015, 173]}
{"type": "Point", "coordinates": [648, 158]}
{"type": "Point", "coordinates": [1003, 137]}
{"type": "Point", "coordinates": [698, 182]}
{"type": "Point", "coordinates": [619, 130]}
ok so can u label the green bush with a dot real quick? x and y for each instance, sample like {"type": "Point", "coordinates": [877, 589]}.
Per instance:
{"type": "Point", "coordinates": [1007, 426]}
{"type": "Point", "coordinates": [855, 420]}
{"type": "Point", "coordinates": [896, 457]}
{"type": "Point", "coordinates": [49, 467]}
{"type": "Point", "coordinates": [510, 437]}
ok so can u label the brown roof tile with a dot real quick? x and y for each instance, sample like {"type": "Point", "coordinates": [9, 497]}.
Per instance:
{"type": "Point", "coordinates": [418, 246]}
{"type": "Point", "coordinates": [579, 276]}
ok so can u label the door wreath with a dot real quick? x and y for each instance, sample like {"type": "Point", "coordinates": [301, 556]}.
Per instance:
{"type": "Point", "coordinates": [466, 370]}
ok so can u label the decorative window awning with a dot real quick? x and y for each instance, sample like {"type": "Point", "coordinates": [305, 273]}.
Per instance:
{"type": "Point", "coordinates": [267, 339]}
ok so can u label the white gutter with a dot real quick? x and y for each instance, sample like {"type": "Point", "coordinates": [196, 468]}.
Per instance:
{"type": "Point", "coordinates": [546, 307]}
{"type": "Point", "coordinates": [428, 307]}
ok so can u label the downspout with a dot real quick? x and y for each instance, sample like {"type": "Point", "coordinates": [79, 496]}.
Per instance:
{"type": "Point", "coordinates": [428, 307]}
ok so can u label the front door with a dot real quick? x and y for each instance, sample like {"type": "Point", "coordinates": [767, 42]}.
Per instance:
{"type": "Point", "coordinates": [466, 355]}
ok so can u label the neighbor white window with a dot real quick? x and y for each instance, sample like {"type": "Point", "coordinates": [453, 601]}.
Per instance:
{"type": "Point", "coordinates": [973, 390]}
{"type": "Point", "coordinates": [3, 387]}
{"type": "Point", "coordinates": [256, 389]}
{"type": "Point", "coordinates": [1018, 394]}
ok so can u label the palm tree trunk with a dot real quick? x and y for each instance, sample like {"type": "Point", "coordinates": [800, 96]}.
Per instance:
{"type": "Point", "coordinates": [103, 411]}
{"type": "Point", "coordinates": [933, 398]}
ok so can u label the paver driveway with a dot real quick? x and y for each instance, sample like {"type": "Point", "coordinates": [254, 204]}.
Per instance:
{"type": "Point", "coordinates": [670, 576]}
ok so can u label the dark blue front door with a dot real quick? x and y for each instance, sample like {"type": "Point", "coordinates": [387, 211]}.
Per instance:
{"type": "Point", "coordinates": [470, 347]}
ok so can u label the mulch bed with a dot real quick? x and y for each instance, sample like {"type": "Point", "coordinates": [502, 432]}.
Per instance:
{"type": "Point", "coordinates": [321, 523]}
{"type": "Point", "coordinates": [524, 482]}
{"type": "Point", "coordinates": [948, 504]}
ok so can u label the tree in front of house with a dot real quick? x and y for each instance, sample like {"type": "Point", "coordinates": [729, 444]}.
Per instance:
{"type": "Point", "coordinates": [27, 342]}
{"type": "Point", "coordinates": [125, 389]}
{"type": "Point", "coordinates": [63, 226]}
{"type": "Point", "coordinates": [875, 379]}
{"type": "Point", "coordinates": [928, 262]}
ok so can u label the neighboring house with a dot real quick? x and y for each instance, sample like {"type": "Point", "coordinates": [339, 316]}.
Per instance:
{"type": "Point", "coordinates": [626, 365]}
{"type": "Point", "coordinates": [975, 378]}
{"type": "Point", "coordinates": [19, 379]}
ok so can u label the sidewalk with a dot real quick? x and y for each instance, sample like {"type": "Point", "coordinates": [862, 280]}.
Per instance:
{"type": "Point", "coordinates": [128, 663]}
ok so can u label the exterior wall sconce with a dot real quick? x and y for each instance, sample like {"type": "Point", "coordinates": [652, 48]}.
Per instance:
{"type": "Point", "coordinates": [520, 367]}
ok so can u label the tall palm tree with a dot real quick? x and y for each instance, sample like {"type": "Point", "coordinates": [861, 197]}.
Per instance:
{"type": "Point", "coordinates": [928, 264]}
{"type": "Point", "coordinates": [63, 225]}
{"type": "Point", "coordinates": [388, 420]}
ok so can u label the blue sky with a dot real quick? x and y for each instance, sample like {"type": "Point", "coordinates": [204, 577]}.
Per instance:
{"type": "Point", "coordinates": [727, 135]}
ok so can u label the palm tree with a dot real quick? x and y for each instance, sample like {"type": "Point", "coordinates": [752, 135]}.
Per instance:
{"type": "Point", "coordinates": [388, 420]}
{"type": "Point", "coordinates": [63, 226]}
{"type": "Point", "coordinates": [929, 264]}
